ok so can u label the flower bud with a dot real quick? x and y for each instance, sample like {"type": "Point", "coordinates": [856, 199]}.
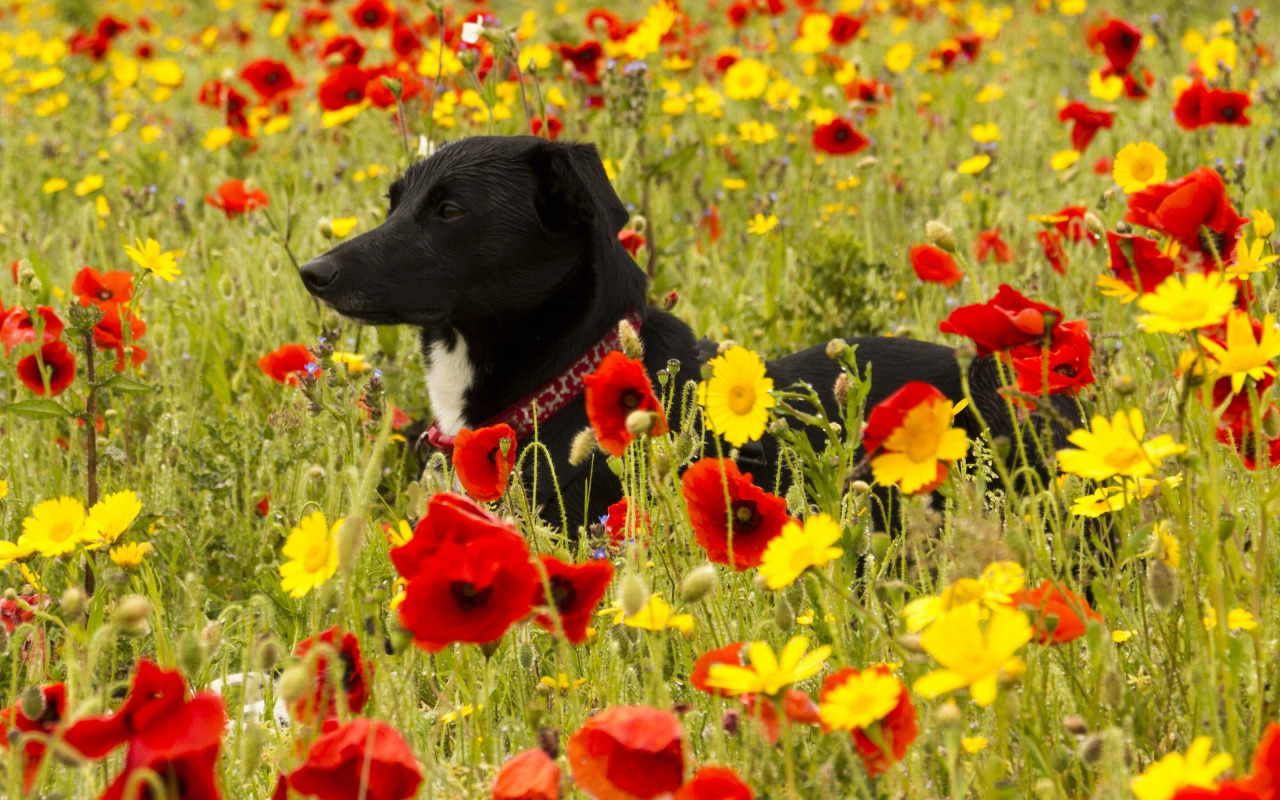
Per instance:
{"type": "Point", "coordinates": [940, 235]}
{"type": "Point", "coordinates": [268, 653]}
{"type": "Point", "coordinates": [251, 745]}
{"type": "Point", "coordinates": [489, 648]}
{"type": "Point", "coordinates": [698, 583]}
{"type": "Point", "coordinates": [349, 544]}
{"type": "Point", "coordinates": [836, 348]}
{"type": "Point", "coordinates": [1094, 224]}
{"type": "Point", "coordinates": [211, 636]}
{"type": "Point", "coordinates": [684, 447]}
{"type": "Point", "coordinates": [1162, 585]}
{"type": "Point", "coordinates": [4, 641]}
{"type": "Point", "coordinates": [632, 347]}
{"type": "Point", "coordinates": [784, 616]}
{"type": "Point", "coordinates": [325, 227]}
{"type": "Point", "coordinates": [880, 542]}
{"type": "Point", "coordinates": [295, 683]}
{"type": "Point", "coordinates": [1125, 385]}
{"type": "Point", "coordinates": [965, 354]}
{"type": "Point", "coordinates": [633, 595]}
{"type": "Point", "coordinates": [32, 703]}
{"type": "Point", "coordinates": [189, 654]}
{"type": "Point", "coordinates": [841, 389]}
{"type": "Point", "coordinates": [583, 445]}
{"type": "Point", "coordinates": [1075, 725]}
{"type": "Point", "coordinates": [948, 715]}
{"type": "Point", "coordinates": [1271, 424]}
{"type": "Point", "coordinates": [1112, 688]}
{"type": "Point", "coordinates": [861, 487]}
{"type": "Point", "coordinates": [911, 642]}
{"type": "Point", "coordinates": [661, 465]}
{"type": "Point", "coordinates": [73, 604]}
{"type": "Point", "coordinates": [1226, 527]}
{"type": "Point", "coordinates": [130, 615]}
{"type": "Point", "coordinates": [526, 656]}
{"type": "Point", "coordinates": [1091, 750]}
{"type": "Point", "coordinates": [639, 423]}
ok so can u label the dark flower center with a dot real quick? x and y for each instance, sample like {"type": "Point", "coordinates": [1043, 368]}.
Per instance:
{"type": "Point", "coordinates": [1126, 41]}
{"type": "Point", "coordinates": [841, 134]}
{"type": "Point", "coordinates": [467, 596]}
{"type": "Point", "coordinates": [349, 671]}
{"type": "Point", "coordinates": [630, 399]}
{"type": "Point", "coordinates": [563, 593]}
{"type": "Point", "coordinates": [1228, 113]}
{"type": "Point", "coordinates": [746, 517]}
{"type": "Point", "coordinates": [272, 77]}
{"type": "Point", "coordinates": [1213, 242]}
{"type": "Point", "coordinates": [353, 94]}
{"type": "Point", "coordinates": [105, 294]}
{"type": "Point", "coordinates": [371, 15]}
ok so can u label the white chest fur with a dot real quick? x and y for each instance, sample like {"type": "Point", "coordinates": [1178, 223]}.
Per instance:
{"type": "Point", "coordinates": [449, 376]}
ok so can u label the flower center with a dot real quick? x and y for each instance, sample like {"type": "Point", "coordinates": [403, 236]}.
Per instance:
{"type": "Point", "coordinates": [1142, 169]}
{"type": "Point", "coordinates": [923, 446]}
{"type": "Point", "coordinates": [61, 531]}
{"type": "Point", "coordinates": [630, 400]}
{"type": "Point", "coordinates": [317, 556]}
{"type": "Point", "coordinates": [746, 517]}
{"type": "Point", "coordinates": [563, 593]}
{"type": "Point", "coordinates": [1124, 458]}
{"type": "Point", "coordinates": [742, 398]}
{"type": "Point", "coordinates": [467, 596]}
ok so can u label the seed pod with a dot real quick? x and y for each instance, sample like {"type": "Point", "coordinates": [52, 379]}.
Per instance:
{"type": "Point", "coordinates": [583, 446]}
{"type": "Point", "coordinates": [840, 391]}
{"type": "Point", "coordinates": [784, 616]}
{"type": "Point", "coordinates": [1162, 585]}
{"type": "Point", "coordinates": [633, 595]}
{"type": "Point", "coordinates": [130, 615]}
{"type": "Point", "coordinates": [1075, 725]}
{"type": "Point", "coordinates": [940, 235]}
{"type": "Point", "coordinates": [268, 653]}
{"type": "Point", "coordinates": [296, 683]}
{"type": "Point", "coordinates": [73, 604]}
{"type": "Point", "coordinates": [32, 703]}
{"type": "Point", "coordinates": [698, 583]}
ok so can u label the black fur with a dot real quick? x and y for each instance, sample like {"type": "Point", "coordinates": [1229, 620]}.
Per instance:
{"type": "Point", "coordinates": [511, 243]}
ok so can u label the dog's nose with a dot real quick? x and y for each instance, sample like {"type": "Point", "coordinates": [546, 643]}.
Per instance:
{"type": "Point", "coordinates": [318, 273]}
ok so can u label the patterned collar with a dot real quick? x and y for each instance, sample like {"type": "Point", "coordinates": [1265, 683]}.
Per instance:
{"type": "Point", "coordinates": [526, 415]}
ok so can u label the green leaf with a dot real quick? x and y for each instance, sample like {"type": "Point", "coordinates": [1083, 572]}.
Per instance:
{"type": "Point", "coordinates": [127, 385]}
{"type": "Point", "coordinates": [38, 409]}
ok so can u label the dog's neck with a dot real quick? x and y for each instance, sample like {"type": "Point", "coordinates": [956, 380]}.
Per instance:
{"type": "Point", "coordinates": [450, 375]}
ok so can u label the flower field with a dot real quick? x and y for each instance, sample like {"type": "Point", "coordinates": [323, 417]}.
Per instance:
{"type": "Point", "coordinates": [227, 572]}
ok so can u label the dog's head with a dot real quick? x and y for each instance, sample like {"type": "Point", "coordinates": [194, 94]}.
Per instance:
{"type": "Point", "coordinates": [487, 226]}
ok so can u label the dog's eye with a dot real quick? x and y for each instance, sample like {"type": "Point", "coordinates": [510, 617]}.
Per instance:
{"type": "Point", "coordinates": [450, 210]}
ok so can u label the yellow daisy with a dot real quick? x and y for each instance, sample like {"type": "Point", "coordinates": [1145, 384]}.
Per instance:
{"type": "Point", "coordinates": [1116, 448]}
{"type": "Point", "coordinates": [56, 527]}
{"type": "Point", "coordinates": [313, 555]}
{"type": "Point", "coordinates": [914, 452]}
{"type": "Point", "coordinates": [1244, 356]}
{"type": "Point", "coordinates": [656, 616]}
{"type": "Point", "coordinates": [746, 79]}
{"type": "Point", "coordinates": [969, 656]}
{"type": "Point", "coordinates": [859, 700]}
{"type": "Point", "coordinates": [1202, 301]}
{"type": "Point", "coordinates": [1249, 259]}
{"type": "Point", "coordinates": [737, 398]}
{"type": "Point", "coordinates": [111, 516]}
{"type": "Point", "coordinates": [1137, 166]}
{"type": "Point", "coordinates": [769, 673]}
{"type": "Point", "coordinates": [796, 549]}
{"type": "Point", "coordinates": [129, 556]}
{"type": "Point", "coordinates": [1164, 778]}
{"type": "Point", "coordinates": [149, 256]}
{"type": "Point", "coordinates": [972, 166]}
{"type": "Point", "coordinates": [999, 579]}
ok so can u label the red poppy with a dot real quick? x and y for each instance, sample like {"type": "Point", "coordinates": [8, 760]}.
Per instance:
{"type": "Point", "coordinates": [990, 245]}
{"type": "Point", "coordinates": [187, 758]}
{"type": "Point", "coordinates": [887, 415]}
{"type": "Point", "coordinates": [1118, 40]}
{"type": "Point", "coordinates": [870, 92]}
{"type": "Point", "coordinates": [628, 753]}
{"type": "Point", "coordinates": [1103, 165]}
{"type": "Point", "coordinates": [1085, 123]}
{"type": "Point", "coordinates": [553, 125]}
{"type": "Point", "coordinates": [729, 654]}
{"type": "Point", "coordinates": [447, 516]}
{"type": "Point", "coordinates": [33, 750]}
{"type": "Point", "coordinates": [1241, 435]}
{"type": "Point", "coordinates": [839, 137]}
{"type": "Point", "coordinates": [12, 614]}
{"type": "Point", "coordinates": [1222, 107]}
{"type": "Point", "coordinates": [99, 288]}
{"type": "Point", "coordinates": [1054, 252]}
{"type": "Point", "coordinates": [738, 13]}
{"type": "Point", "coordinates": [1264, 778]}
{"type": "Point", "coordinates": [585, 59]}
{"type": "Point", "coordinates": [715, 783]}
{"type": "Point", "coordinates": [1070, 366]}
{"type": "Point", "coordinates": [108, 334]}
{"type": "Point", "coordinates": [18, 328]}
{"type": "Point", "coordinates": [530, 775]}
{"type": "Point", "coordinates": [370, 14]}
{"type": "Point", "coordinates": [348, 50]}
{"type": "Point", "coordinates": [263, 506]}
{"type": "Point", "coordinates": [352, 675]}
{"type": "Point", "coordinates": [269, 78]}
{"type": "Point", "coordinates": [410, 87]}
{"type": "Point", "coordinates": [1187, 108]}
{"type": "Point", "coordinates": [234, 199]}
{"type": "Point", "coordinates": [1007, 320]}
{"type": "Point", "coordinates": [1193, 209]}
{"type": "Point", "coordinates": [618, 387]}
{"type": "Point", "coordinates": [344, 86]}
{"type": "Point", "coordinates": [844, 28]}
{"type": "Point", "coordinates": [758, 516]}
{"type": "Point", "coordinates": [710, 223]}
{"type": "Point", "coordinates": [1138, 262]}
{"type": "Point", "coordinates": [479, 462]}
{"type": "Point", "coordinates": [797, 707]}
{"type": "Point", "coordinates": [405, 41]}
{"type": "Point", "coordinates": [895, 731]}
{"type": "Point", "coordinates": [58, 360]}
{"type": "Point", "coordinates": [631, 241]}
{"type": "Point", "coordinates": [576, 590]}
{"type": "Point", "coordinates": [284, 363]}
{"type": "Point", "coordinates": [1058, 612]}
{"type": "Point", "coordinates": [615, 524]}
{"type": "Point", "coordinates": [363, 758]}
{"type": "Point", "coordinates": [934, 265]}
{"type": "Point", "coordinates": [476, 583]}
{"type": "Point", "coordinates": [616, 28]}
{"type": "Point", "coordinates": [315, 15]}
{"type": "Point", "coordinates": [154, 700]}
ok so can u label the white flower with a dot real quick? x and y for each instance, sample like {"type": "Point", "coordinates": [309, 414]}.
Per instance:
{"type": "Point", "coordinates": [471, 32]}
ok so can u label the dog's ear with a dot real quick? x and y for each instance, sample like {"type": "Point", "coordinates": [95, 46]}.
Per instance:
{"type": "Point", "coordinates": [573, 189]}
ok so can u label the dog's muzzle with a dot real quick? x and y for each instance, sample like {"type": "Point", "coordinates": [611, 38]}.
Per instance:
{"type": "Point", "coordinates": [318, 273]}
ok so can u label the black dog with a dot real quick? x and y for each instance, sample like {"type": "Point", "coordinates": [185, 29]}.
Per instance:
{"type": "Point", "coordinates": [504, 252]}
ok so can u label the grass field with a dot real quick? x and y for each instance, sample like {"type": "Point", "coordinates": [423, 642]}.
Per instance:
{"type": "Point", "coordinates": [202, 469]}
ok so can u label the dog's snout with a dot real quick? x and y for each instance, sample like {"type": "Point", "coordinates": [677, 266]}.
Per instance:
{"type": "Point", "coordinates": [318, 273]}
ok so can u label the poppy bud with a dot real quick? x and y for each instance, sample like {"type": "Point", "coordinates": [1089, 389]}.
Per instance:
{"type": "Point", "coordinates": [632, 347]}
{"type": "Point", "coordinates": [525, 656]}
{"type": "Point", "coordinates": [836, 348]}
{"type": "Point", "coordinates": [615, 466]}
{"type": "Point", "coordinates": [861, 487]}
{"type": "Point", "coordinates": [841, 389]}
{"type": "Point", "coordinates": [880, 542]}
{"type": "Point", "coordinates": [761, 583]}
{"type": "Point", "coordinates": [250, 748]}
{"type": "Point", "coordinates": [1226, 527]}
{"type": "Point", "coordinates": [1162, 585]}
{"type": "Point", "coordinates": [1112, 688]}
{"type": "Point", "coordinates": [948, 715]}
{"type": "Point", "coordinates": [295, 683]}
{"type": "Point", "coordinates": [1125, 385]}
{"type": "Point", "coordinates": [639, 423]}
{"type": "Point", "coordinates": [866, 163]}
{"type": "Point", "coordinates": [1271, 425]}
{"type": "Point", "coordinates": [940, 235]}
{"type": "Point", "coordinates": [633, 595]}
{"type": "Point", "coordinates": [1091, 750]}
{"type": "Point", "coordinates": [661, 465]}
{"type": "Point", "coordinates": [583, 445]}
{"type": "Point", "coordinates": [211, 636]}
{"type": "Point", "coordinates": [489, 648]}
{"type": "Point", "coordinates": [268, 653]}
{"type": "Point", "coordinates": [73, 604]}
{"type": "Point", "coordinates": [32, 703]}
{"type": "Point", "coordinates": [683, 449]}
{"type": "Point", "coordinates": [1045, 787]}
{"type": "Point", "coordinates": [189, 654]}
{"type": "Point", "coordinates": [784, 616]}
{"type": "Point", "coordinates": [315, 472]}
{"type": "Point", "coordinates": [1075, 725]}
{"type": "Point", "coordinates": [393, 85]}
{"type": "Point", "coordinates": [911, 642]}
{"type": "Point", "coordinates": [1094, 224]}
{"type": "Point", "coordinates": [350, 542]}
{"type": "Point", "coordinates": [965, 354]}
{"type": "Point", "coordinates": [130, 615]}
{"type": "Point", "coordinates": [698, 583]}
{"type": "Point", "coordinates": [325, 227]}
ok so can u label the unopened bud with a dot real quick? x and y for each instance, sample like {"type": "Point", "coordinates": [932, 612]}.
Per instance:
{"type": "Point", "coordinates": [325, 227]}
{"type": "Point", "coordinates": [866, 163]}
{"type": "Point", "coordinates": [526, 656]}
{"type": "Point", "coordinates": [489, 648]}
{"type": "Point", "coordinates": [940, 235]}
{"type": "Point", "coordinates": [639, 423]}
{"type": "Point", "coordinates": [632, 347]}
{"type": "Point", "coordinates": [250, 748]}
{"type": "Point", "coordinates": [1162, 585]}
{"type": "Point", "coordinates": [130, 615]}
{"type": "Point", "coordinates": [1094, 224]}
{"type": "Point", "coordinates": [784, 616]}
{"type": "Point", "coordinates": [684, 446]}
{"type": "Point", "coordinates": [880, 542]}
{"type": "Point", "coordinates": [1226, 527]}
{"type": "Point", "coordinates": [295, 683]}
{"type": "Point", "coordinates": [268, 653]}
{"type": "Point", "coordinates": [698, 583]}
{"type": "Point", "coordinates": [583, 446]}
{"type": "Point", "coordinates": [393, 85]}
{"type": "Point", "coordinates": [841, 389]}
{"type": "Point", "coordinates": [911, 642]}
{"type": "Point", "coordinates": [1112, 688]}
{"type": "Point", "coordinates": [350, 542]}
{"type": "Point", "coordinates": [1125, 385]}
{"type": "Point", "coordinates": [189, 654]}
{"type": "Point", "coordinates": [948, 715]}
{"type": "Point", "coordinates": [211, 636]}
{"type": "Point", "coordinates": [4, 642]}
{"type": "Point", "coordinates": [1045, 787]}
{"type": "Point", "coordinates": [965, 354]}
{"type": "Point", "coordinates": [1075, 725]}
{"type": "Point", "coordinates": [661, 465]}
{"type": "Point", "coordinates": [32, 703]}
{"type": "Point", "coordinates": [836, 348]}
{"type": "Point", "coordinates": [73, 604]}
{"type": "Point", "coordinates": [633, 595]}
{"type": "Point", "coordinates": [861, 487]}
{"type": "Point", "coordinates": [1271, 424]}
{"type": "Point", "coordinates": [1091, 750]}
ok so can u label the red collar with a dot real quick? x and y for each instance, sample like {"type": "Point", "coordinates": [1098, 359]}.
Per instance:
{"type": "Point", "coordinates": [526, 415]}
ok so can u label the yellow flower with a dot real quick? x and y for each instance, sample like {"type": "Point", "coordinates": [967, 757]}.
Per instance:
{"type": "Point", "coordinates": [1168, 548]}
{"type": "Point", "coordinates": [985, 133]}
{"type": "Point", "coordinates": [1137, 166]}
{"type": "Point", "coordinates": [313, 555]}
{"type": "Point", "coordinates": [1216, 51]}
{"type": "Point", "coordinates": [797, 549]}
{"type": "Point", "coordinates": [1244, 356]}
{"type": "Point", "coordinates": [1120, 637]}
{"type": "Point", "coordinates": [769, 674]}
{"type": "Point", "coordinates": [1204, 300]}
{"type": "Point", "coordinates": [972, 166]}
{"type": "Point", "coordinates": [746, 79]}
{"type": "Point", "coordinates": [1249, 259]}
{"type": "Point", "coordinates": [149, 257]}
{"type": "Point", "coordinates": [969, 657]}
{"type": "Point", "coordinates": [55, 527]}
{"type": "Point", "coordinates": [11, 552]}
{"type": "Point", "coordinates": [733, 183]}
{"type": "Point", "coordinates": [657, 616]}
{"type": "Point", "coordinates": [218, 138]}
{"type": "Point", "coordinates": [1116, 448]}
{"type": "Point", "coordinates": [54, 185]}
{"type": "Point", "coordinates": [1163, 779]}
{"type": "Point", "coordinates": [343, 225]}
{"type": "Point", "coordinates": [4, 489]}
{"type": "Point", "coordinates": [1071, 8]}
{"type": "Point", "coordinates": [1108, 499]}
{"type": "Point", "coordinates": [129, 556]}
{"type": "Point", "coordinates": [1263, 224]}
{"type": "Point", "coordinates": [89, 185]}
{"type": "Point", "coordinates": [999, 580]}
{"type": "Point", "coordinates": [111, 516]}
{"type": "Point", "coordinates": [400, 535]}
{"type": "Point", "coordinates": [1063, 159]}
{"type": "Point", "coordinates": [1238, 619]}
{"type": "Point", "coordinates": [860, 700]}
{"type": "Point", "coordinates": [815, 34]}
{"type": "Point", "coordinates": [989, 93]}
{"type": "Point", "coordinates": [332, 119]}
{"type": "Point", "coordinates": [561, 682]}
{"type": "Point", "coordinates": [737, 398]}
{"type": "Point", "coordinates": [1105, 89]}
{"type": "Point", "coordinates": [914, 451]}
{"type": "Point", "coordinates": [973, 744]}
{"type": "Point", "coordinates": [354, 362]}
{"type": "Point", "coordinates": [899, 57]}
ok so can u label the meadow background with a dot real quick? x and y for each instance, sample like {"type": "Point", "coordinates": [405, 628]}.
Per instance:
{"type": "Point", "coordinates": [122, 121]}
